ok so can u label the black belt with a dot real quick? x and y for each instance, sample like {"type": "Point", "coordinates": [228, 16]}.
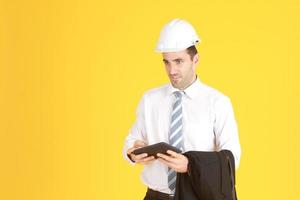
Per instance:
{"type": "Point", "coordinates": [159, 195]}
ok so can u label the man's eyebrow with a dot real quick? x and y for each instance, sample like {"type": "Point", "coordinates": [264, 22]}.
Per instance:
{"type": "Point", "coordinates": [176, 59]}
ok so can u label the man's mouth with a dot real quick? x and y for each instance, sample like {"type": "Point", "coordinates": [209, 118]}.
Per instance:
{"type": "Point", "coordinates": [174, 78]}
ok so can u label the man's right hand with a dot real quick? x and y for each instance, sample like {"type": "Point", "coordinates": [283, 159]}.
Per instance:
{"type": "Point", "coordinates": [141, 158]}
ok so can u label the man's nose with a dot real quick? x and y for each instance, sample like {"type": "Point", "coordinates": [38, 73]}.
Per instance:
{"type": "Point", "coordinates": [172, 69]}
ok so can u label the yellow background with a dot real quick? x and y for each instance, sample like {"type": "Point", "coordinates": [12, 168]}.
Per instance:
{"type": "Point", "coordinates": [72, 73]}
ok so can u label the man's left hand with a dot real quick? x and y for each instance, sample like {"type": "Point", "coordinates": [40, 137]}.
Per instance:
{"type": "Point", "coordinates": [176, 161]}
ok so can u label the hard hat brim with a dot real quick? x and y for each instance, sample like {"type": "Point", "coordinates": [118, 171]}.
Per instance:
{"type": "Point", "coordinates": [175, 49]}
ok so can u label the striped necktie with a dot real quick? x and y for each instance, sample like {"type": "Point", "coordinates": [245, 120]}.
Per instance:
{"type": "Point", "coordinates": [175, 137]}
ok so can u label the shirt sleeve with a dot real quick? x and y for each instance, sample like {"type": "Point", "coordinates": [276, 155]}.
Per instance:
{"type": "Point", "coordinates": [225, 128]}
{"type": "Point", "coordinates": [138, 130]}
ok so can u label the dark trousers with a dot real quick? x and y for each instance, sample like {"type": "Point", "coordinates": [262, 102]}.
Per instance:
{"type": "Point", "coordinates": [155, 195]}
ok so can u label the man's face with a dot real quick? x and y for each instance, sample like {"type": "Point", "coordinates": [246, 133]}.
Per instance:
{"type": "Point", "coordinates": [180, 68]}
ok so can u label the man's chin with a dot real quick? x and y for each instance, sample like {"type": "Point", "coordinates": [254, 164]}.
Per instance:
{"type": "Point", "coordinates": [175, 81]}
{"type": "Point", "coordinates": [175, 84]}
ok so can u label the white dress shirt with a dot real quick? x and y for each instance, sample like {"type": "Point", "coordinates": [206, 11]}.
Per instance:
{"type": "Point", "coordinates": [208, 125]}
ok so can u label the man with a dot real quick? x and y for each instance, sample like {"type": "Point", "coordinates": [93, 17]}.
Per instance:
{"type": "Point", "coordinates": [185, 113]}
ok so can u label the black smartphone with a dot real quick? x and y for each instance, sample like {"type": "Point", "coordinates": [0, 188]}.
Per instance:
{"type": "Point", "coordinates": [154, 149]}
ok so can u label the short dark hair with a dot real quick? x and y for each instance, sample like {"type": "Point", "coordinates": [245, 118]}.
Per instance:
{"type": "Point", "coordinates": [192, 51]}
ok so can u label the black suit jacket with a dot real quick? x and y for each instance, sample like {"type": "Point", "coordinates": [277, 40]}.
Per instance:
{"type": "Point", "coordinates": [211, 176]}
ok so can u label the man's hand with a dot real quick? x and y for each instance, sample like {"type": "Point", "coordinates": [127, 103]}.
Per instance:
{"type": "Point", "coordinates": [141, 158]}
{"type": "Point", "coordinates": [176, 161]}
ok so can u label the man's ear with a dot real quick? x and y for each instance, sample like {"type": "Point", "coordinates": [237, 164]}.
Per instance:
{"type": "Point", "coordinates": [195, 61]}
{"type": "Point", "coordinates": [196, 58]}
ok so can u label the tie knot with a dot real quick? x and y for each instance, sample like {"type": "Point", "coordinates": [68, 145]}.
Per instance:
{"type": "Point", "coordinates": [178, 94]}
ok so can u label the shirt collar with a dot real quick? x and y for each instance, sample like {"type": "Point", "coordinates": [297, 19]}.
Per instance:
{"type": "Point", "coordinates": [191, 91]}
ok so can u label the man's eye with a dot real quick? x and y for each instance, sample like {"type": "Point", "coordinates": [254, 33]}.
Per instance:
{"type": "Point", "coordinates": [178, 61]}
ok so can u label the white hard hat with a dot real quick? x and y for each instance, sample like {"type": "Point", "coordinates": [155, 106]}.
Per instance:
{"type": "Point", "coordinates": [176, 36]}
